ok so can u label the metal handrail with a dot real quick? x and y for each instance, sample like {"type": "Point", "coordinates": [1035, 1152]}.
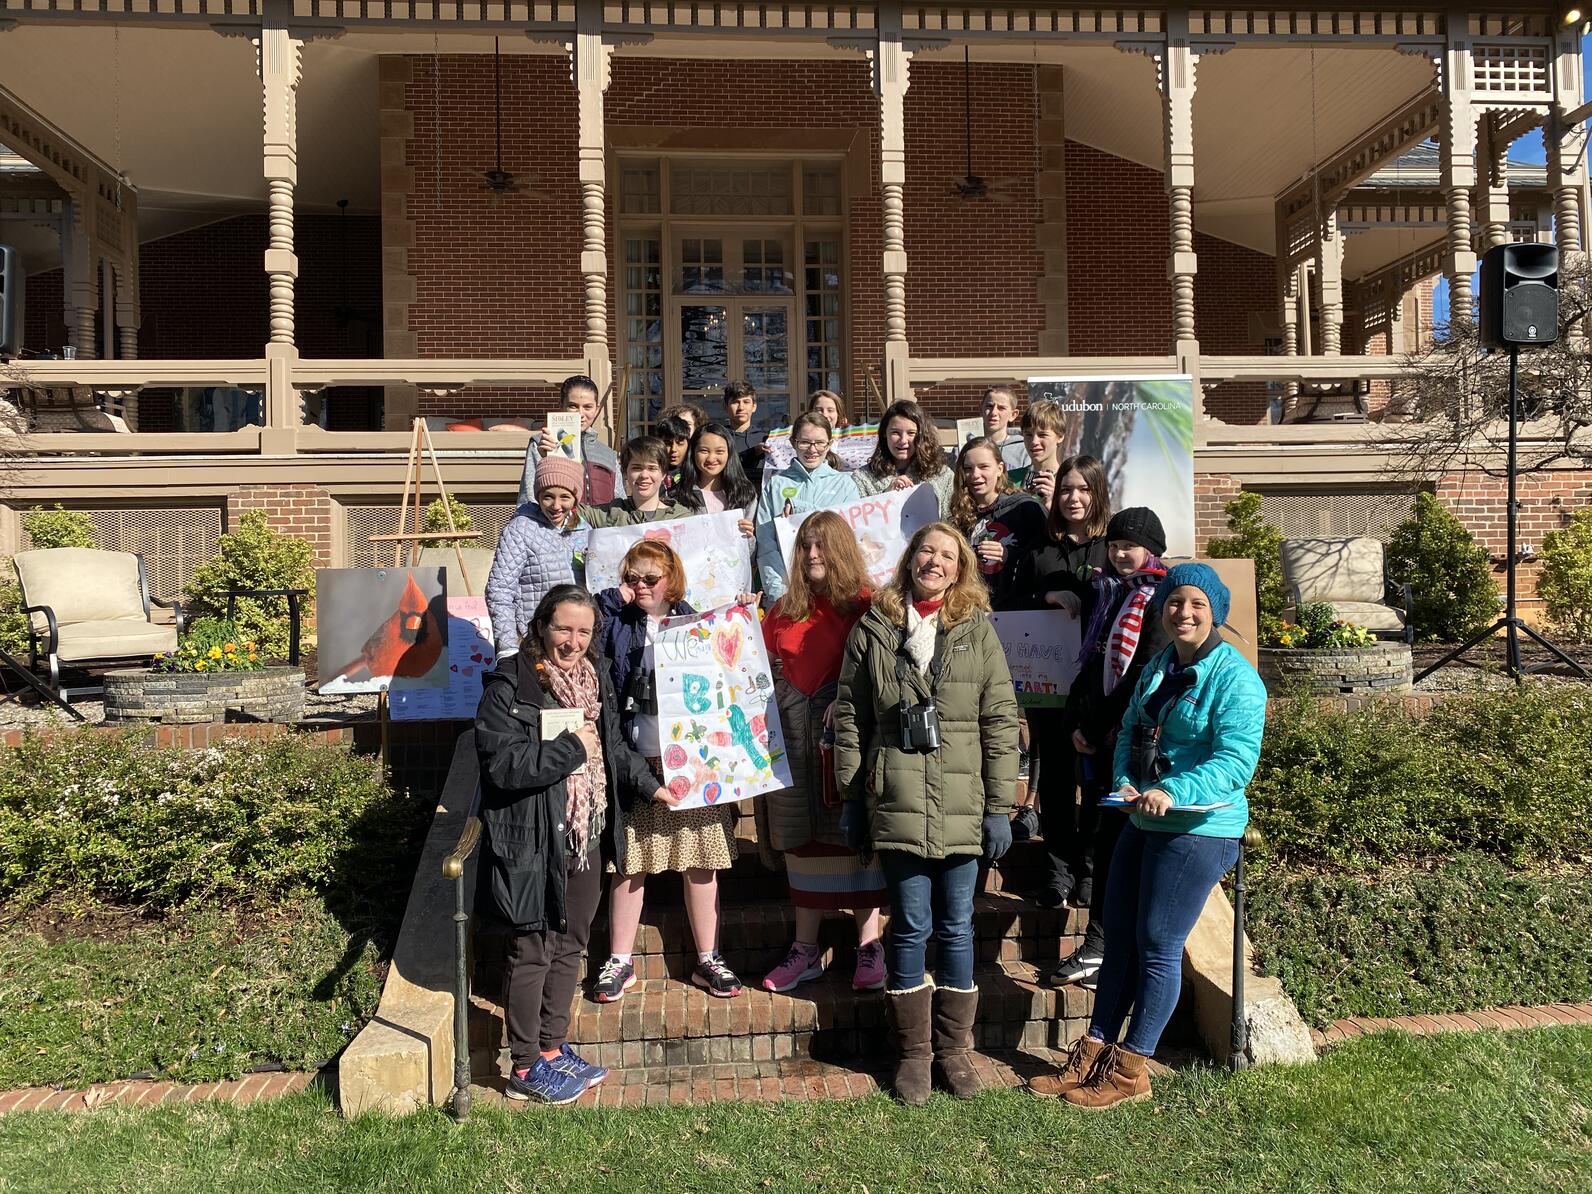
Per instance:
{"type": "Point", "coordinates": [453, 868]}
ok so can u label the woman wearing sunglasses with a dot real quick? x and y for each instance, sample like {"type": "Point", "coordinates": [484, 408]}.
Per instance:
{"type": "Point", "coordinates": [697, 842]}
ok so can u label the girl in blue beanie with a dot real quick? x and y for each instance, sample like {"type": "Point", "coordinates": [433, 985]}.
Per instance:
{"type": "Point", "coordinates": [1188, 747]}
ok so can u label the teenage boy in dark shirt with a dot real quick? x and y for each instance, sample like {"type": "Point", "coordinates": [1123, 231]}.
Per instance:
{"type": "Point", "coordinates": [740, 404]}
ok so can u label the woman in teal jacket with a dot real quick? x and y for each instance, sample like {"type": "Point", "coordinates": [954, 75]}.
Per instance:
{"type": "Point", "coordinates": [1188, 747]}
{"type": "Point", "coordinates": [807, 483]}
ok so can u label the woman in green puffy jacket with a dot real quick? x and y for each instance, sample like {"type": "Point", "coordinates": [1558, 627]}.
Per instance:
{"type": "Point", "coordinates": [926, 763]}
{"type": "Point", "coordinates": [1187, 749]}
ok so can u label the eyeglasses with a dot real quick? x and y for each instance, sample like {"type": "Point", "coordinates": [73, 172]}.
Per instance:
{"type": "Point", "coordinates": [650, 580]}
{"type": "Point", "coordinates": [815, 445]}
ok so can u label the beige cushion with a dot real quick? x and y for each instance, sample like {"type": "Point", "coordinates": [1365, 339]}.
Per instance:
{"type": "Point", "coordinates": [81, 584]}
{"type": "Point", "coordinates": [117, 638]}
{"type": "Point", "coordinates": [1374, 617]}
{"type": "Point", "coordinates": [1333, 570]}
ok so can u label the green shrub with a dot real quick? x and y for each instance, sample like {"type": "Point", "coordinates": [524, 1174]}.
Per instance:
{"type": "Point", "coordinates": [254, 557]}
{"type": "Point", "coordinates": [1565, 582]}
{"type": "Point", "coordinates": [1451, 583]}
{"type": "Point", "coordinates": [435, 521]}
{"type": "Point", "coordinates": [1253, 538]}
{"type": "Point", "coordinates": [90, 816]}
{"type": "Point", "coordinates": [1466, 933]}
{"type": "Point", "coordinates": [1500, 773]}
{"type": "Point", "coordinates": [13, 622]}
{"type": "Point", "coordinates": [56, 526]}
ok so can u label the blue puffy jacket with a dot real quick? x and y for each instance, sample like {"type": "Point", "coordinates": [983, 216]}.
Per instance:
{"type": "Point", "coordinates": [1211, 737]}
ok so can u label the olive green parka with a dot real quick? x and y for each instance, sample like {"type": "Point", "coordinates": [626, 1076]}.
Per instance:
{"type": "Point", "coordinates": [931, 805]}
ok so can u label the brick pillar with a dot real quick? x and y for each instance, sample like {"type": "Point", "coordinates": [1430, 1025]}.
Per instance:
{"type": "Point", "coordinates": [301, 510]}
{"type": "Point", "coordinates": [1050, 135]}
{"type": "Point", "coordinates": [398, 289]}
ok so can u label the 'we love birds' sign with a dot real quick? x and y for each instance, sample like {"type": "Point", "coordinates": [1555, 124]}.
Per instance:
{"type": "Point", "coordinates": [717, 721]}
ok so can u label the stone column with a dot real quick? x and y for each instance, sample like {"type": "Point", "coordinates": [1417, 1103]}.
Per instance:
{"type": "Point", "coordinates": [1176, 71]}
{"type": "Point", "coordinates": [278, 58]}
{"type": "Point", "coordinates": [590, 61]}
{"type": "Point", "coordinates": [1329, 277]}
{"type": "Point", "coordinates": [1566, 175]}
{"type": "Point", "coordinates": [1459, 172]}
{"type": "Point", "coordinates": [890, 65]}
{"type": "Point", "coordinates": [1494, 187]}
{"type": "Point", "coordinates": [1302, 296]}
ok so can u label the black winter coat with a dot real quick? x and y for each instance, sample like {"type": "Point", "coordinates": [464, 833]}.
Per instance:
{"type": "Point", "coordinates": [1054, 566]}
{"type": "Point", "coordinates": [1018, 521]}
{"type": "Point", "coordinates": [523, 795]}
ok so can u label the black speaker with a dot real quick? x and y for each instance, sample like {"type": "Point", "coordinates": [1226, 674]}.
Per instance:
{"type": "Point", "coordinates": [10, 301]}
{"type": "Point", "coordinates": [1519, 295]}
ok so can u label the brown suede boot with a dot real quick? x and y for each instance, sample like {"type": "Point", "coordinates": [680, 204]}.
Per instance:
{"type": "Point", "coordinates": [1118, 1077]}
{"type": "Point", "coordinates": [955, 1012]}
{"type": "Point", "coordinates": [911, 1016]}
{"type": "Point", "coordinates": [1080, 1061]}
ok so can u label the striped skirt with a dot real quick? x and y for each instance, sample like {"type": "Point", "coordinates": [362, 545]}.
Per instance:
{"type": "Point", "coordinates": [829, 877]}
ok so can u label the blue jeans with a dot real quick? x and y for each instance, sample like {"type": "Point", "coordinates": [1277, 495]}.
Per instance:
{"type": "Point", "coordinates": [1155, 891]}
{"type": "Point", "coordinates": [930, 897]}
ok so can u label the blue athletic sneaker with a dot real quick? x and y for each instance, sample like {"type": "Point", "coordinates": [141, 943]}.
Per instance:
{"type": "Point", "coordinates": [573, 1063]}
{"type": "Point", "coordinates": [544, 1082]}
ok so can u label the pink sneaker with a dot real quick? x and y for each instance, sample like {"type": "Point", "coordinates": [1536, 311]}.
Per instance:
{"type": "Point", "coordinates": [801, 964]}
{"type": "Point", "coordinates": [870, 967]}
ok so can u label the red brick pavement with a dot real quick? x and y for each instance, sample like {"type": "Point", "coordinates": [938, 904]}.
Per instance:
{"type": "Point", "coordinates": [793, 1079]}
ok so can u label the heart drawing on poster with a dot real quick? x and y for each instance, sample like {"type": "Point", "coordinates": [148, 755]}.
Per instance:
{"type": "Point", "coordinates": [728, 642]}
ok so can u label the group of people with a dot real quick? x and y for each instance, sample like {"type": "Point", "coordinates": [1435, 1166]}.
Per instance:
{"type": "Point", "coordinates": [900, 720]}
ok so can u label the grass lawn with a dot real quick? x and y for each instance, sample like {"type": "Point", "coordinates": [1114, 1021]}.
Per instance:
{"type": "Point", "coordinates": [1484, 1111]}
{"type": "Point", "coordinates": [202, 994]}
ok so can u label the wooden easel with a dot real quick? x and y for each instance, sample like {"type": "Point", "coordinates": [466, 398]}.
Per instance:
{"type": "Point", "coordinates": [420, 446]}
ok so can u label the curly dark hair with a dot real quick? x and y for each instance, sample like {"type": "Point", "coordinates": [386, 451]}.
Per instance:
{"type": "Point", "coordinates": [927, 457]}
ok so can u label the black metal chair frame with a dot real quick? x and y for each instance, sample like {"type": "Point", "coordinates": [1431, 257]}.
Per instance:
{"type": "Point", "coordinates": [294, 613]}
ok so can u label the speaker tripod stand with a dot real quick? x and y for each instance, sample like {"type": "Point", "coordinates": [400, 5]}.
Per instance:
{"type": "Point", "coordinates": [1511, 623]}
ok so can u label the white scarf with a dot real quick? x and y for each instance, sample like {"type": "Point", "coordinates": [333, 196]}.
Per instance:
{"type": "Point", "coordinates": [920, 637]}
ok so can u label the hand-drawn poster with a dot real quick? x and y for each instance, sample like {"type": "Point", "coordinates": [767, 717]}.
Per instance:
{"type": "Point", "coordinates": [565, 427]}
{"type": "Point", "coordinates": [717, 722]}
{"type": "Point", "coordinates": [883, 524]}
{"type": "Point", "coordinates": [470, 656]}
{"type": "Point", "coordinates": [378, 628]}
{"type": "Point", "coordinates": [717, 557]}
{"type": "Point", "coordinates": [1141, 429]}
{"type": "Point", "coordinates": [1042, 648]}
{"type": "Point", "coordinates": [852, 445]}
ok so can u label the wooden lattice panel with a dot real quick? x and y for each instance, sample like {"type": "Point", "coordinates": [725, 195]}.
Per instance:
{"type": "Point", "coordinates": [1317, 514]}
{"type": "Point", "coordinates": [360, 522]}
{"type": "Point", "coordinates": [174, 540]}
{"type": "Point", "coordinates": [1511, 69]}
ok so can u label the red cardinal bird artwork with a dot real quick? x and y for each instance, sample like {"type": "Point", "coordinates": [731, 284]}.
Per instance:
{"type": "Point", "coordinates": [405, 645]}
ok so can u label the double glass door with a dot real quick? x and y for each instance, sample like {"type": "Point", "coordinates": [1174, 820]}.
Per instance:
{"type": "Point", "coordinates": [738, 339]}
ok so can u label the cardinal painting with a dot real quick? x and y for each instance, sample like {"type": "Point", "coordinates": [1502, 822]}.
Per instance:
{"type": "Point", "coordinates": [378, 626]}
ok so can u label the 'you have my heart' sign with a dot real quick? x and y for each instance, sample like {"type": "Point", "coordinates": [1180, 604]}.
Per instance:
{"type": "Point", "coordinates": [717, 722]}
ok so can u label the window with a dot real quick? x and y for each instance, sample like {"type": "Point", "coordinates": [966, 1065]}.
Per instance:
{"type": "Point", "coordinates": [823, 315]}
{"type": "Point", "coordinates": [644, 352]}
{"type": "Point", "coordinates": [730, 189]}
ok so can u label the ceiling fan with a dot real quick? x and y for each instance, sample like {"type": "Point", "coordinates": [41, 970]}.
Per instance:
{"type": "Point", "coordinates": [971, 185]}
{"type": "Point", "coordinates": [498, 180]}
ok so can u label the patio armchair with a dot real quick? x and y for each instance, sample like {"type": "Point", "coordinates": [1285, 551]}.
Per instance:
{"type": "Point", "coordinates": [87, 606]}
{"type": "Point", "coordinates": [1351, 576]}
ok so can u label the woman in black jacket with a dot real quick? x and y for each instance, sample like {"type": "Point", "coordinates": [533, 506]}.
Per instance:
{"type": "Point", "coordinates": [549, 815]}
{"type": "Point", "coordinates": [1057, 575]}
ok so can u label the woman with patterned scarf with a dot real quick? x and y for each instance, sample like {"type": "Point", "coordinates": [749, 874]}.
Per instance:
{"type": "Point", "coordinates": [553, 766]}
{"type": "Point", "coordinates": [1119, 636]}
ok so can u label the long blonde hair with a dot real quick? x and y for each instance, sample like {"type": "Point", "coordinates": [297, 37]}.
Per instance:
{"type": "Point", "coordinates": [960, 511]}
{"type": "Point", "coordinates": [845, 574]}
{"type": "Point", "coordinates": [966, 596]}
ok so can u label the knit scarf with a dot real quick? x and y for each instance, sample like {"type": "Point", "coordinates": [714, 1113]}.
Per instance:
{"type": "Point", "coordinates": [1117, 621]}
{"type": "Point", "coordinates": [586, 802]}
{"type": "Point", "coordinates": [921, 629]}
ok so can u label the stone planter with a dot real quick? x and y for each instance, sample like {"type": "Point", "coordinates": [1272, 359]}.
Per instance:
{"type": "Point", "coordinates": [1338, 671]}
{"type": "Point", "coordinates": [136, 695]}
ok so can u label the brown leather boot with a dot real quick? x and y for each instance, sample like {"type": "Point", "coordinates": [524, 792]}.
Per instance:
{"type": "Point", "coordinates": [955, 1013]}
{"type": "Point", "coordinates": [1080, 1061]}
{"type": "Point", "coordinates": [1118, 1077]}
{"type": "Point", "coordinates": [911, 1016]}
